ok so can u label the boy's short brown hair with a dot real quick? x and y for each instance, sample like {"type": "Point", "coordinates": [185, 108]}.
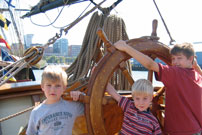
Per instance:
{"type": "Point", "coordinates": [54, 73]}
{"type": "Point", "coordinates": [184, 48]}
{"type": "Point", "coordinates": [142, 86]}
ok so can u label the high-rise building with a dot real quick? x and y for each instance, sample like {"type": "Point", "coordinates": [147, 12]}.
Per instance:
{"type": "Point", "coordinates": [28, 40]}
{"type": "Point", "coordinates": [61, 47]}
{"type": "Point", "coordinates": [74, 50]}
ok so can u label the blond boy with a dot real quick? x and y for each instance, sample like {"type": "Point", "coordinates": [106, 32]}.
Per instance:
{"type": "Point", "coordinates": [137, 117]}
{"type": "Point", "coordinates": [54, 116]}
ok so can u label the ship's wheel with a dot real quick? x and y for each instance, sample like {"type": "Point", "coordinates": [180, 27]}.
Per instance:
{"type": "Point", "coordinates": [103, 116]}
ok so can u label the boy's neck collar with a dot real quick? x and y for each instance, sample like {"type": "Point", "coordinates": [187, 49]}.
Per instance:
{"type": "Point", "coordinates": [48, 102]}
{"type": "Point", "coordinates": [146, 111]}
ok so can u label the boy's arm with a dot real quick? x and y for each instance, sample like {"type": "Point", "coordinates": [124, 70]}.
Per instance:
{"type": "Point", "coordinates": [146, 61]}
{"type": "Point", "coordinates": [197, 67]}
{"type": "Point", "coordinates": [110, 89]}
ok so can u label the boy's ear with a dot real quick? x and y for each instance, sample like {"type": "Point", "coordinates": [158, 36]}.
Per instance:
{"type": "Point", "coordinates": [192, 59]}
{"type": "Point", "coordinates": [42, 87]}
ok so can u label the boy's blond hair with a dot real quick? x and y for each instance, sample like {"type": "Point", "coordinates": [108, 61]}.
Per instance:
{"type": "Point", "coordinates": [142, 87]}
{"type": "Point", "coordinates": [54, 73]}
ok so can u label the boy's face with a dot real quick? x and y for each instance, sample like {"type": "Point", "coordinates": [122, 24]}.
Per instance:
{"type": "Point", "coordinates": [180, 60]}
{"type": "Point", "coordinates": [142, 102]}
{"type": "Point", "coordinates": [53, 91]}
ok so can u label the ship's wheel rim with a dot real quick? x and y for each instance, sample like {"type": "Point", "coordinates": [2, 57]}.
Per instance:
{"type": "Point", "coordinates": [103, 71]}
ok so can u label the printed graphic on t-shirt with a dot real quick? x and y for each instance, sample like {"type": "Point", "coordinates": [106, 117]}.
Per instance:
{"type": "Point", "coordinates": [56, 120]}
{"type": "Point", "coordinates": [141, 119]}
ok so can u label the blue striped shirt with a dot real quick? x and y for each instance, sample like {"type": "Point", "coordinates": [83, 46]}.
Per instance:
{"type": "Point", "coordinates": [136, 122]}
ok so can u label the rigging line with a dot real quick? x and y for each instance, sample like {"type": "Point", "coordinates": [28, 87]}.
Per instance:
{"type": "Point", "coordinates": [171, 39]}
{"type": "Point", "coordinates": [108, 9]}
{"type": "Point", "coordinates": [19, 24]}
{"type": "Point", "coordinates": [48, 19]}
{"type": "Point", "coordinates": [114, 4]}
{"type": "Point", "coordinates": [65, 3]}
{"type": "Point", "coordinates": [58, 17]}
{"type": "Point", "coordinates": [75, 19]}
{"type": "Point", "coordinates": [57, 36]}
{"type": "Point", "coordinates": [55, 19]}
{"type": "Point", "coordinates": [22, 65]}
{"type": "Point", "coordinates": [16, 30]}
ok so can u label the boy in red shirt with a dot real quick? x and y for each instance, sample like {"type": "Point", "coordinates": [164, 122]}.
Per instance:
{"type": "Point", "coordinates": [183, 82]}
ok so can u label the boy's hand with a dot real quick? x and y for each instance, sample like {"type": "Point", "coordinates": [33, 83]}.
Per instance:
{"type": "Point", "coordinates": [120, 45]}
{"type": "Point", "coordinates": [75, 95]}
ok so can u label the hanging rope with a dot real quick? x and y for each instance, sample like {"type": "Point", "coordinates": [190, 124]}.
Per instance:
{"type": "Point", "coordinates": [80, 67]}
{"type": "Point", "coordinates": [115, 29]}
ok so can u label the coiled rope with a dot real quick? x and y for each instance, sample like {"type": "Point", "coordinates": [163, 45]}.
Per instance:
{"type": "Point", "coordinates": [115, 29]}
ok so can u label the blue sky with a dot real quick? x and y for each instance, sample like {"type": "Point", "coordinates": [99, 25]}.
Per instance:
{"type": "Point", "coordinates": [183, 19]}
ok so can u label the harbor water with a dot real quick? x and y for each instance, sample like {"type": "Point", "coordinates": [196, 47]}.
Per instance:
{"type": "Point", "coordinates": [135, 74]}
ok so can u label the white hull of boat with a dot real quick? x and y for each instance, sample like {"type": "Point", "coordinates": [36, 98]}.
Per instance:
{"type": "Point", "coordinates": [11, 106]}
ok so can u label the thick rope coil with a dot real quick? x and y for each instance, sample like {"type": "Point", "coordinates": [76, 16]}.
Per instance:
{"type": "Point", "coordinates": [80, 67]}
{"type": "Point", "coordinates": [115, 29]}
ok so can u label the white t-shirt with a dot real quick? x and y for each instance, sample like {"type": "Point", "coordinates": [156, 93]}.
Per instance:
{"type": "Point", "coordinates": [54, 119]}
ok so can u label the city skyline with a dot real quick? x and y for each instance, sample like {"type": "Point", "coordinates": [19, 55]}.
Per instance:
{"type": "Point", "coordinates": [60, 48]}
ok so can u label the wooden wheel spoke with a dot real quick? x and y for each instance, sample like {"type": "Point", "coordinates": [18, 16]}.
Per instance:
{"type": "Point", "coordinates": [80, 85]}
{"type": "Point", "coordinates": [107, 43]}
{"type": "Point", "coordinates": [162, 107]}
{"type": "Point", "coordinates": [159, 93]}
{"type": "Point", "coordinates": [150, 72]}
{"type": "Point", "coordinates": [122, 66]}
{"type": "Point", "coordinates": [150, 75]}
{"type": "Point", "coordinates": [156, 100]}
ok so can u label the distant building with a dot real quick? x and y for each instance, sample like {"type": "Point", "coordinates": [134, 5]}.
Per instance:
{"type": "Point", "coordinates": [36, 44]}
{"type": "Point", "coordinates": [28, 40]}
{"type": "Point", "coordinates": [74, 50]}
{"type": "Point", "coordinates": [48, 51]}
{"type": "Point", "coordinates": [60, 47]}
